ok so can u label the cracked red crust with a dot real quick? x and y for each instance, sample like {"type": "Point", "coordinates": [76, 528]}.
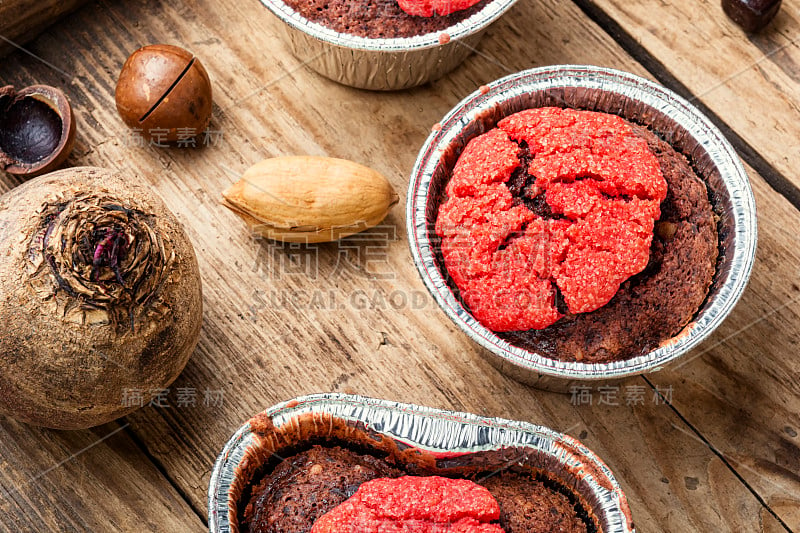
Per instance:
{"type": "Point", "coordinates": [591, 190]}
{"type": "Point", "coordinates": [430, 8]}
{"type": "Point", "coordinates": [414, 505]}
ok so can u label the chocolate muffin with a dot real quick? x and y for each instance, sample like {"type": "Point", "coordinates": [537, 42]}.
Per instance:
{"type": "Point", "coordinates": [524, 210]}
{"type": "Point", "coordinates": [307, 485]}
{"type": "Point", "coordinates": [376, 19]}
{"type": "Point", "coordinates": [528, 506]}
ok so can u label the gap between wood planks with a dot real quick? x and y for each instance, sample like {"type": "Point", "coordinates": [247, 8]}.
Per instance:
{"type": "Point", "coordinates": [160, 467]}
{"type": "Point", "coordinates": [774, 178]}
{"type": "Point", "coordinates": [719, 454]}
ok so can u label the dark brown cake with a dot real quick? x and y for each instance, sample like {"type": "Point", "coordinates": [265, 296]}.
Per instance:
{"type": "Point", "coordinates": [527, 506]}
{"type": "Point", "coordinates": [376, 18]}
{"type": "Point", "coordinates": [307, 485]}
{"type": "Point", "coordinates": [657, 303]}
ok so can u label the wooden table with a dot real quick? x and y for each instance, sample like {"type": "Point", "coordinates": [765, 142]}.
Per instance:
{"type": "Point", "coordinates": [723, 454]}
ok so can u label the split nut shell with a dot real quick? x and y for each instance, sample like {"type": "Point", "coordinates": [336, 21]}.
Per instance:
{"type": "Point", "coordinates": [164, 93]}
{"type": "Point", "coordinates": [37, 130]}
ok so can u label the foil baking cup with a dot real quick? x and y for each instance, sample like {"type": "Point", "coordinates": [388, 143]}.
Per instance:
{"type": "Point", "coordinates": [383, 64]}
{"type": "Point", "coordinates": [610, 91]}
{"type": "Point", "coordinates": [449, 438]}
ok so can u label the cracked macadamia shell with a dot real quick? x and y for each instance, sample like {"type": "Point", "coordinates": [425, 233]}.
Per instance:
{"type": "Point", "coordinates": [100, 298]}
{"type": "Point", "coordinates": [165, 93]}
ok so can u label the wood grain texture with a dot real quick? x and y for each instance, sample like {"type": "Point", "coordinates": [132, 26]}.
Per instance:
{"type": "Point", "coordinates": [751, 81]}
{"type": "Point", "coordinates": [22, 20]}
{"type": "Point", "coordinates": [744, 395]}
{"type": "Point", "coordinates": [92, 480]}
{"type": "Point", "coordinates": [740, 387]}
{"type": "Point", "coordinates": [355, 317]}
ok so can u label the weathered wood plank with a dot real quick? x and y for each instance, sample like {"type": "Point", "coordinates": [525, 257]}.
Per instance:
{"type": "Point", "coordinates": [752, 82]}
{"type": "Point", "coordinates": [22, 20]}
{"type": "Point", "coordinates": [93, 480]}
{"type": "Point", "coordinates": [740, 388]}
{"type": "Point", "coordinates": [276, 327]}
{"type": "Point", "coordinates": [748, 377]}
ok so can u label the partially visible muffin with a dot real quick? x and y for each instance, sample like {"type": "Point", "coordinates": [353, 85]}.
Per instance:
{"type": "Point", "coordinates": [528, 506]}
{"type": "Point", "coordinates": [376, 19]}
{"type": "Point", "coordinates": [307, 485]}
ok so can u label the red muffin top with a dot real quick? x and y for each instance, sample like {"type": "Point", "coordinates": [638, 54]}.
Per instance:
{"type": "Point", "coordinates": [430, 8]}
{"type": "Point", "coordinates": [414, 505]}
{"type": "Point", "coordinates": [582, 226]}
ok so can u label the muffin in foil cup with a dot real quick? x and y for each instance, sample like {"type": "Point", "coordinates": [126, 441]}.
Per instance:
{"type": "Point", "coordinates": [438, 442]}
{"type": "Point", "coordinates": [596, 89]}
{"type": "Point", "coordinates": [384, 64]}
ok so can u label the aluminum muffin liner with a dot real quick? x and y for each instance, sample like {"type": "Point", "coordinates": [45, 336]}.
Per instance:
{"type": "Point", "coordinates": [611, 91]}
{"type": "Point", "coordinates": [446, 438]}
{"type": "Point", "coordinates": [383, 64]}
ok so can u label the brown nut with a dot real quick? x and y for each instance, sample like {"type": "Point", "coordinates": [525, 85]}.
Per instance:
{"type": "Point", "coordinates": [165, 93]}
{"type": "Point", "coordinates": [37, 130]}
{"type": "Point", "coordinates": [752, 15]}
{"type": "Point", "coordinates": [310, 199]}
